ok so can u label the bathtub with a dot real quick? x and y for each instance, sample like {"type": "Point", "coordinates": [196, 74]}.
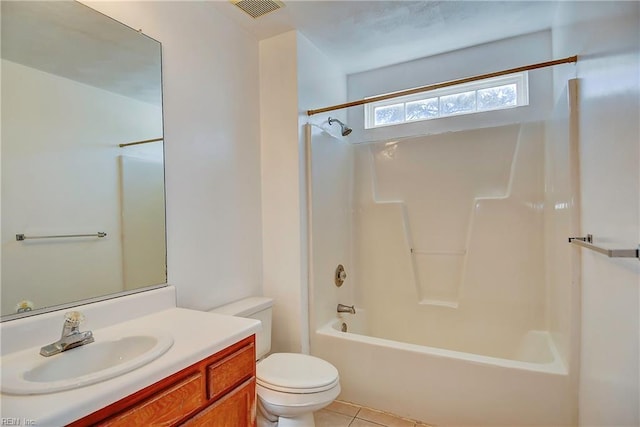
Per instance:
{"type": "Point", "coordinates": [445, 387]}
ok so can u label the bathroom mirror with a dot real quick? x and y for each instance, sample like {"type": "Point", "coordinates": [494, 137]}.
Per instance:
{"type": "Point", "coordinates": [83, 211]}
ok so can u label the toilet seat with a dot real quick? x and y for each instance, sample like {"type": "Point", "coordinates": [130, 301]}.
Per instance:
{"type": "Point", "coordinates": [296, 373]}
{"type": "Point", "coordinates": [296, 390]}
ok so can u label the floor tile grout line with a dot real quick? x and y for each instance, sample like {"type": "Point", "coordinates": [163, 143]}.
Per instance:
{"type": "Point", "coordinates": [359, 408]}
{"type": "Point", "coordinates": [392, 415]}
{"type": "Point", "coordinates": [368, 421]}
{"type": "Point", "coordinates": [342, 413]}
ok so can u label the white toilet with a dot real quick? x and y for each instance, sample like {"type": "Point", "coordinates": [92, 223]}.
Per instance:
{"type": "Point", "coordinates": [290, 386]}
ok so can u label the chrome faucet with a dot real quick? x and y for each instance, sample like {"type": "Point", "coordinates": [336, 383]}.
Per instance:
{"type": "Point", "coordinates": [71, 336]}
{"type": "Point", "coordinates": [346, 309]}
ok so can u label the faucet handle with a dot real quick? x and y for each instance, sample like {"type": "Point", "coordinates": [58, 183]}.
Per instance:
{"type": "Point", "coordinates": [74, 317]}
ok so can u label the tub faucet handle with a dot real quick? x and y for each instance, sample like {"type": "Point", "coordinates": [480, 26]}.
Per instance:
{"type": "Point", "coordinates": [340, 275]}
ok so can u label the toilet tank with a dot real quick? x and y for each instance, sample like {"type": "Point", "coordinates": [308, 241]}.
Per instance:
{"type": "Point", "coordinates": [259, 308]}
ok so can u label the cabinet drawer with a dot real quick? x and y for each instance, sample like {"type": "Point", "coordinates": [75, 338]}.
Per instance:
{"type": "Point", "coordinates": [165, 408]}
{"type": "Point", "coordinates": [236, 409]}
{"type": "Point", "coordinates": [231, 371]}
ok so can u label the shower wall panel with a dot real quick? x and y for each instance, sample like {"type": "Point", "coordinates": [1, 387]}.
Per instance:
{"type": "Point", "coordinates": [331, 175]}
{"type": "Point", "coordinates": [562, 219]}
{"type": "Point", "coordinates": [448, 236]}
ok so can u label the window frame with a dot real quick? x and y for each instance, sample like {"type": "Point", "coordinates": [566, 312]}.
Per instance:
{"type": "Point", "coordinates": [521, 80]}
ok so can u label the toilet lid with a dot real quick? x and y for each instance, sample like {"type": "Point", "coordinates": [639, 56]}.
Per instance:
{"type": "Point", "coordinates": [296, 373]}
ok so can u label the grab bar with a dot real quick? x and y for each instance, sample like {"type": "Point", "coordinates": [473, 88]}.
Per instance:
{"type": "Point", "coordinates": [21, 237]}
{"type": "Point", "coordinates": [587, 242]}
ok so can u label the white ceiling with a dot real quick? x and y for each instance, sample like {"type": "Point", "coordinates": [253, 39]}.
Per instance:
{"type": "Point", "coordinates": [362, 35]}
{"type": "Point", "coordinates": [357, 35]}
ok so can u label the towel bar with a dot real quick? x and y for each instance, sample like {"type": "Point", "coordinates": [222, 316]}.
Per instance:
{"type": "Point", "coordinates": [587, 242]}
{"type": "Point", "coordinates": [21, 237]}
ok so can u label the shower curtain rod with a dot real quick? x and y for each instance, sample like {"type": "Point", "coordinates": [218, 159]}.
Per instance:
{"type": "Point", "coordinates": [445, 84]}
{"type": "Point", "coordinates": [140, 142]}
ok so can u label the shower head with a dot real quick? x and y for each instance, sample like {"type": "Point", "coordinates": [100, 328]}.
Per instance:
{"type": "Point", "coordinates": [345, 130]}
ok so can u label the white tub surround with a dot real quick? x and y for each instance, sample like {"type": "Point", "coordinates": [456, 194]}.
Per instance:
{"type": "Point", "coordinates": [455, 246]}
{"type": "Point", "coordinates": [445, 387]}
{"type": "Point", "coordinates": [196, 335]}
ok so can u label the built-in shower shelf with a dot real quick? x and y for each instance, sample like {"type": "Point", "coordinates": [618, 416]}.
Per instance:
{"type": "Point", "coordinates": [430, 252]}
{"type": "Point", "coordinates": [439, 303]}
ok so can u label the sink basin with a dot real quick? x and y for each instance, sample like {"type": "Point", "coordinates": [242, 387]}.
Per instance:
{"type": "Point", "coordinates": [27, 372]}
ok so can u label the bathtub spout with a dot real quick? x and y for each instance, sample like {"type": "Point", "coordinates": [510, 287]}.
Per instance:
{"type": "Point", "coordinates": [346, 309]}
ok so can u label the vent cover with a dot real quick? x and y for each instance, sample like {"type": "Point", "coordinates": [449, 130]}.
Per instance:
{"type": "Point", "coordinates": [258, 8]}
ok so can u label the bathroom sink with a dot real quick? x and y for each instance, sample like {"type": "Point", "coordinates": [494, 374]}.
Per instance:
{"type": "Point", "coordinates": [27, 372]}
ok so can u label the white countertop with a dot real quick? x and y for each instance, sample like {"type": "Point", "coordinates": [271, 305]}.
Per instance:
{"type": "Point", "coordinates": [196, 335]}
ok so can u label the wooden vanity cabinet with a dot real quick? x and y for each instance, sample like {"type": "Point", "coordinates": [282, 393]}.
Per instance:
{"type": "Point", "coordinates": [219, 391]}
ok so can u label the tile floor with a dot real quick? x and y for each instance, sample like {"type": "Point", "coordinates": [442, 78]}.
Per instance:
{"type": "Point", "coordinates": [344, 414]}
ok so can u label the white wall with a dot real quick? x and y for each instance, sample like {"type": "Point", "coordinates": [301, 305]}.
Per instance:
{"type": "Point", "coordinates": [60, 176]}
{"type": "Point", "coordinates": [212, 147]}
{"type": "Point", "coordinates": [606, 38]}
{"type": "Point", "coordinates": [281, 183]}
{"type": "Point", "coordinates": [294, 76]}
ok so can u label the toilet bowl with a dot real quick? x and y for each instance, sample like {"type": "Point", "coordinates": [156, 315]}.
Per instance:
{"type": "Point", "coordinates": [289, 386]}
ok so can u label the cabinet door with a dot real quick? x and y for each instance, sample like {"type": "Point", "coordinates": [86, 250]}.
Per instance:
{"type": "Point", "coordinates": [165, 408]}
{"type": "Point", "coordinates": [236, 409]}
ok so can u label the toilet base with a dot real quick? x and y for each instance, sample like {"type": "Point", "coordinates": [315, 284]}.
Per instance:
{"type": "Point", "coordinates": [304, 420]}
{"type": "Point", "coordinates": [265, 419]}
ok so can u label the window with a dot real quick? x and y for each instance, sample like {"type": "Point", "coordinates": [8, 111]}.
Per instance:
{"type": "Point", "coordinates": [483, 95]}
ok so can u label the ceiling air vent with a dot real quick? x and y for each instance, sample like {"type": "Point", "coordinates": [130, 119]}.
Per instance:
{"type": "Point", "coordinates": [258, 8]}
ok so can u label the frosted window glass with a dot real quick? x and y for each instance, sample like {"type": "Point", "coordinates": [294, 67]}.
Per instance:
{"type": "Point", "coordinates": [498, 97]}
{"type": "Point", "coordinates": [389, 114]}
{"type": "Point", "coordinates": [422, 109]}
{"type": "Point", "coordinates": [458, 103]}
